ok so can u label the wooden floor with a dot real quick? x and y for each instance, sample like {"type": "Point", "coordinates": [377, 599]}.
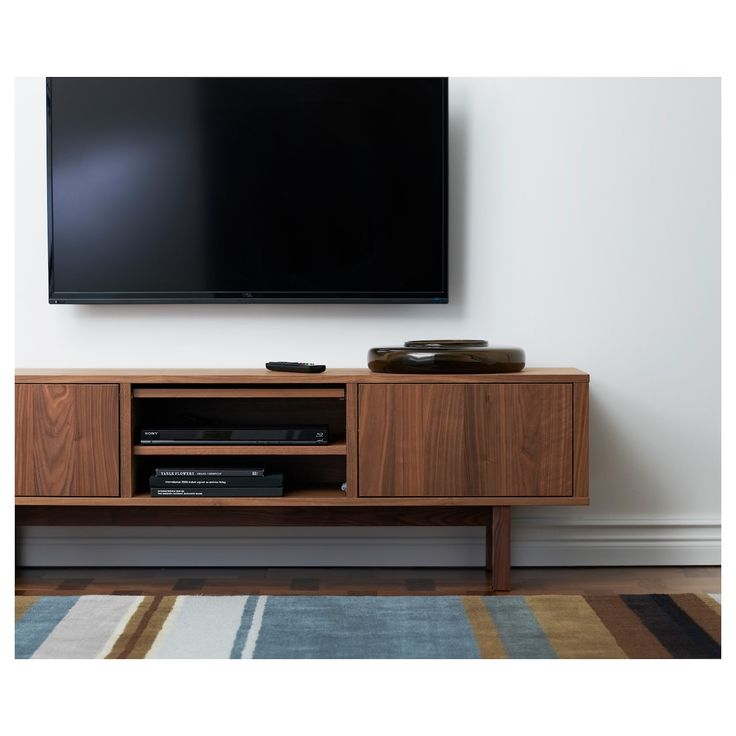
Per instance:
{"type": "Point", "coordinates": [362, 581]}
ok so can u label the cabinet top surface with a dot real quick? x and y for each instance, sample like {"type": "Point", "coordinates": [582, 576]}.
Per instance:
{"type": "Point", "coordinates": [261, 375]}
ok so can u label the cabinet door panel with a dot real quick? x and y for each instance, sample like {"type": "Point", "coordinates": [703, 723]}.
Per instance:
{"type": "Point", "coordinates": [66, 439]}
{"type": "Point", "coordinates": [465, 440]}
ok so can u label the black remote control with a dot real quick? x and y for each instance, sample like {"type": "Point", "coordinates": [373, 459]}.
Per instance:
{"type": "Point", "coordinates": [295, 367]}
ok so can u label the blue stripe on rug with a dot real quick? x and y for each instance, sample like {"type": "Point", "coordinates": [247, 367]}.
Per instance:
{"type": "Point", "coordinates": [245, 621]}
{"type": "Point", "coordinates": [519, 629]}
{"type": "Point", "coordinates": [366, 627]}
{"type": "Point", "coordinates": [39, 621]}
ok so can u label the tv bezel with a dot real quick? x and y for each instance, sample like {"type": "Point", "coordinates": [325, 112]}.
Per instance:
{"type": "Point", "coordinates": [247, 297]}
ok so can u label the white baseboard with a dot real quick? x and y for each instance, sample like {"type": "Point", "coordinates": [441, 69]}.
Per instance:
{"type": "Point", "coordinates": [629, 541]}
{"type": "Point", "coordinates": [536, 542]}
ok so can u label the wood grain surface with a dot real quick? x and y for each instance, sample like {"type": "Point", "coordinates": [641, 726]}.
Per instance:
{"type": "Point", "coordinates": [307, 497]}
{"type": "Point", "coordinates": [239, 393]}
{"type": "Point", "coordinates": [258, 376]}
{"type": "Point", "coordinates": [334, 448]}
{"type": "Point", "coordinates": [32, 581]}
{"type": "Point", "coordinates": [127, 475]}
{"type": "Point", "coordinates": [414, 441]}
{"type": "Point", "coordinates": [498, 548]}
{"type": "Point", "coordinates": [351, 431]}
{"type": "Point", "coordinates": [67, 440]}
{"type": "Point", "coordinates": [581, 469]}
{"type": "Point", "coordinates": [465, 440]}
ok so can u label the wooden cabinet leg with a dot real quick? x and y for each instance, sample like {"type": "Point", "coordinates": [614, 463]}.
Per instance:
{"type": "Point", "coordinates": [498, 547]}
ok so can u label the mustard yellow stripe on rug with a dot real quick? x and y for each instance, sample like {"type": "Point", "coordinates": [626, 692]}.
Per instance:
{"type": "Point", "coordinates": [22, 604]}
{"type": "Point", "coordinates": [573, 628]}
{"type": "Point", "coordinates": [712, 603]}
{"type": "Point", "coordinates": [489, 642]}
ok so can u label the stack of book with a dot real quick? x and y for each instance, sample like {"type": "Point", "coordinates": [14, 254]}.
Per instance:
{"type": "Point", "coordinates": [214, 482]}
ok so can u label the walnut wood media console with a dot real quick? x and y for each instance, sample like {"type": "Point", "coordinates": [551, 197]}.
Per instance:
{"type": "Point", "coordinates": [413, 449]}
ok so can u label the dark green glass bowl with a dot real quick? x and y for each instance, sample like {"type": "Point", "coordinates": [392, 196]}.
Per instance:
{"type": "Point", "coordinates": [446, 356]}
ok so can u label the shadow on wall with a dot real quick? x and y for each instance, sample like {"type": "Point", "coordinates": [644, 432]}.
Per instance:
{"type": "Point", "coordinates": [628, 440]}
{"type": "Point", "coordinates": [455, 310]}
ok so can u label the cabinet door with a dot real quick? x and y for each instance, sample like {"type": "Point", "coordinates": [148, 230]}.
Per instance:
{"type": "Point", "coordinates": [465, 440]}
{"type": "Point", "coordinates": [66, 439]}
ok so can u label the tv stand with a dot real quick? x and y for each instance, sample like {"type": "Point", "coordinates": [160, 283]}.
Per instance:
{"type": "Point", "coordinates": [412, 449]}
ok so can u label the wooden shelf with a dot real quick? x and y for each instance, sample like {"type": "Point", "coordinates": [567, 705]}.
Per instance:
{"type": "Point", "coordinates": [238, 393]}
{"type": "Point", "coordinates": [289, 498]}
{"type": "Point", "coordinates": [336, 448]}
{"type": "Point", "coordinates": [295, 497]}
{"type": "Point", "coordinates": [262, 376]}
{"type": "Point", "coordinates": [300, 498]}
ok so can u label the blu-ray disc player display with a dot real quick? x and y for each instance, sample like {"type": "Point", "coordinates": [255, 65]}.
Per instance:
{"type": "Point", "coordinates": [281, 435]}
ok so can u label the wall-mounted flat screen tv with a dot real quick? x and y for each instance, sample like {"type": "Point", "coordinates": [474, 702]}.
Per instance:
{"type": "Point", "coordinates": [173, 190]}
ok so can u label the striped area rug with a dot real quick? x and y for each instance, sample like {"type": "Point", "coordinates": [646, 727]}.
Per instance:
{"type": "Point", "coordinates": [363, 627]}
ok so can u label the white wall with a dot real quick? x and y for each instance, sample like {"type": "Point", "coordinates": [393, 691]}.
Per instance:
{"type": "Point", "coordinates": [584, 227]}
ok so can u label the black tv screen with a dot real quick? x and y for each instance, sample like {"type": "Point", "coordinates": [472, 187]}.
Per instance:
{"type": "Point", "coordinates": [247, 190]}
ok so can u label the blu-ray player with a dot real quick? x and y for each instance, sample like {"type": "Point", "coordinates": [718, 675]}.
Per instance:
{"type": "Point", "coordinates": [286, 435]}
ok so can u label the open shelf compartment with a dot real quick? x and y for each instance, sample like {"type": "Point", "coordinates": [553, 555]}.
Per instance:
{"type": "Point", "coordinates": [302, 473]}
{"type": "Point", "coordinates": [310, 471]}
{"type": "Point", "coordinates": [193, 407]}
